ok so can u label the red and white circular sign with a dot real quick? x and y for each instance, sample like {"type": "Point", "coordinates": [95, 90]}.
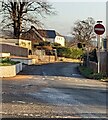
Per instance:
{"type": "Point", "coordinates": [99, 29]}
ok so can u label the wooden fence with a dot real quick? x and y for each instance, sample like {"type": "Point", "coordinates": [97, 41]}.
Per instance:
{"type": "Point", "coordinates": [14, 50]}
{"type": "Point", "coordinates": [103, 63]}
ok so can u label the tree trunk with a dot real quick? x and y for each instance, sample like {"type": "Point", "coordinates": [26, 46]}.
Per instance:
{"type": "Point", "coordinates": [18, 20]}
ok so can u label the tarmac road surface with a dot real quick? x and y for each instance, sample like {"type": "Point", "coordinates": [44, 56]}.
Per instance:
{"type": "Point", "coordinates": [54, 90]}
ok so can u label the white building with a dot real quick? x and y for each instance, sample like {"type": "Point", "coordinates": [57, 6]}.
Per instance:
{"type": "Point", "coordinates": [52, 36]}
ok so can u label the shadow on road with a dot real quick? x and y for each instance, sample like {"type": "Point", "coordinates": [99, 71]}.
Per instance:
{"type": "Point", "coordinates": [57, 95]}
{"type": "Point", "coordinates": [19, 90]}
{"type": "Point", "coordinates": [63, 69]}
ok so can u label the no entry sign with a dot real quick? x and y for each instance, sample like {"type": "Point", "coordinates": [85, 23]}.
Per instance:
{"type": "Point", "coordinates": [99, 29]}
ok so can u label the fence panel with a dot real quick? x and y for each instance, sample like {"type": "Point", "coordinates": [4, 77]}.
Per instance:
{"type": "Point", "coordinates": [14, 50]}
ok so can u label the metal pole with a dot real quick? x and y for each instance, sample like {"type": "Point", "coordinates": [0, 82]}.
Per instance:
{"type": "Point", "coordinates": [87, 57]}
{"type": "Point", "coordinates": [98, 39]}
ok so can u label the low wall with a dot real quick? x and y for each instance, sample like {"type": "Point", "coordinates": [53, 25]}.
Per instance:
{"type": "Point", "coordinates": [61, 58]}
{"type": "Point", "coordinates": [44, 58]}
{"type": "Point", "coordinates": [71, 60]}
{"type": "Point", "coordinates": [24, 61]}
{"type": "Point", "coordinates": [10, 71]}
{"type": "Point", "coordinates": [18, 67]}
{"type": "Point", "coordinates": [34, 57]}
{"type": "Point", "coordinates": [93, 66]}
{"type": "Point", "coordinates": [103, 61]}
{"type": "Point", "coordinates": [107, 64]}
{"type": "Point", "coordinates": [49, 58]}
{"type": "Point", "coordinates": [4, 54]}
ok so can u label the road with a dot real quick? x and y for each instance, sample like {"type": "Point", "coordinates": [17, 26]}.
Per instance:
{"type": "Point", "coordinates": [54, 90]}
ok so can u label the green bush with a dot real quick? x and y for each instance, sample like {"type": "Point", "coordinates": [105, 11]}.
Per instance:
{"type": "Point", "coordinates": [76, 53]}
{"type": "Point", "coordinates": [4, 60]}
{"type": "Point", "coordinates": [63, 51]}
{"type": "Point", "coordinates": [55, 44]}
{"type": "Point", "coordinates": [98, 76]}
{"type": "Point", "coordinates": [72, 52]}
{"type": "Point", "coordinates": [87, 72]}
{"type": "Point", "coordinates": [7, 61]}
{"type": "Point", "coordinates": [44, 43]}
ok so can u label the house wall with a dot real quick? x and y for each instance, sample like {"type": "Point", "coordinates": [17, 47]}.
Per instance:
{"type": "Point", "coordinates": [60, 40]}
{"type": "Point", "coordinates": [25, 44]}
{"type": "Point", "coordinates": [50, 40]}
{"type": "Point", "coordinates": [8, 41]}
{"type": "Point", "coordinates": [13, 50]}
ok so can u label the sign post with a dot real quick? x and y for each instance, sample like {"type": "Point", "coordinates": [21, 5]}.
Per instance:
{"type": "Point", "coordinates": [99, 30]}
{"type": "Point", "coordinates": [98, 39]}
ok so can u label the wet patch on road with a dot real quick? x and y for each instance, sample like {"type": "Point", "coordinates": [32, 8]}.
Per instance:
{"type": "Point", "coordinates": [54, 96]}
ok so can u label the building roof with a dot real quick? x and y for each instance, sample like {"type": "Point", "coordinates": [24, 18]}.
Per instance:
{"type": "Point", "coordinates": [47, 33]}
{"type": "Point", "coordinates": [38, 34]}
{"type": "Point", "coordinates": [31, 35]}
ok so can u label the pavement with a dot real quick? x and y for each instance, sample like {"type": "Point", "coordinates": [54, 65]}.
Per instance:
{"type": "Point", "coordinates": [55, 90]}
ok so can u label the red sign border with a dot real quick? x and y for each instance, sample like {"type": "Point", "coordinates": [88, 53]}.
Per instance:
{"type": "Point", "coordinates": [99, 32]}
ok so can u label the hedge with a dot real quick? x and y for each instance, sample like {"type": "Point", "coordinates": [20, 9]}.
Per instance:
{"type": "Point", "coordinates": [88, 73]}
{"type": "Point", "coordinates": [72, 52]}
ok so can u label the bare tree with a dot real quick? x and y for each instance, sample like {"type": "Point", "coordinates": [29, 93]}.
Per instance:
{"type": "Point", "coordinates": [83, 31]}
{"type": "Point", "coordinates": [17, 13]}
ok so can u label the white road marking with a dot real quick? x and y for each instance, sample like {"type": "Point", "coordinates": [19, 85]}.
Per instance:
{"type": "Point", "coordinates": [21, 102]}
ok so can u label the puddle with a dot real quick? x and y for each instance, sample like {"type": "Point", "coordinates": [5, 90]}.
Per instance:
{"type": "Point", "coordinates": [76, 75]}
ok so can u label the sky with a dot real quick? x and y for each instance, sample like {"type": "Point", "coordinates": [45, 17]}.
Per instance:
{"type": "Point", "coordinates": [69, 12]}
